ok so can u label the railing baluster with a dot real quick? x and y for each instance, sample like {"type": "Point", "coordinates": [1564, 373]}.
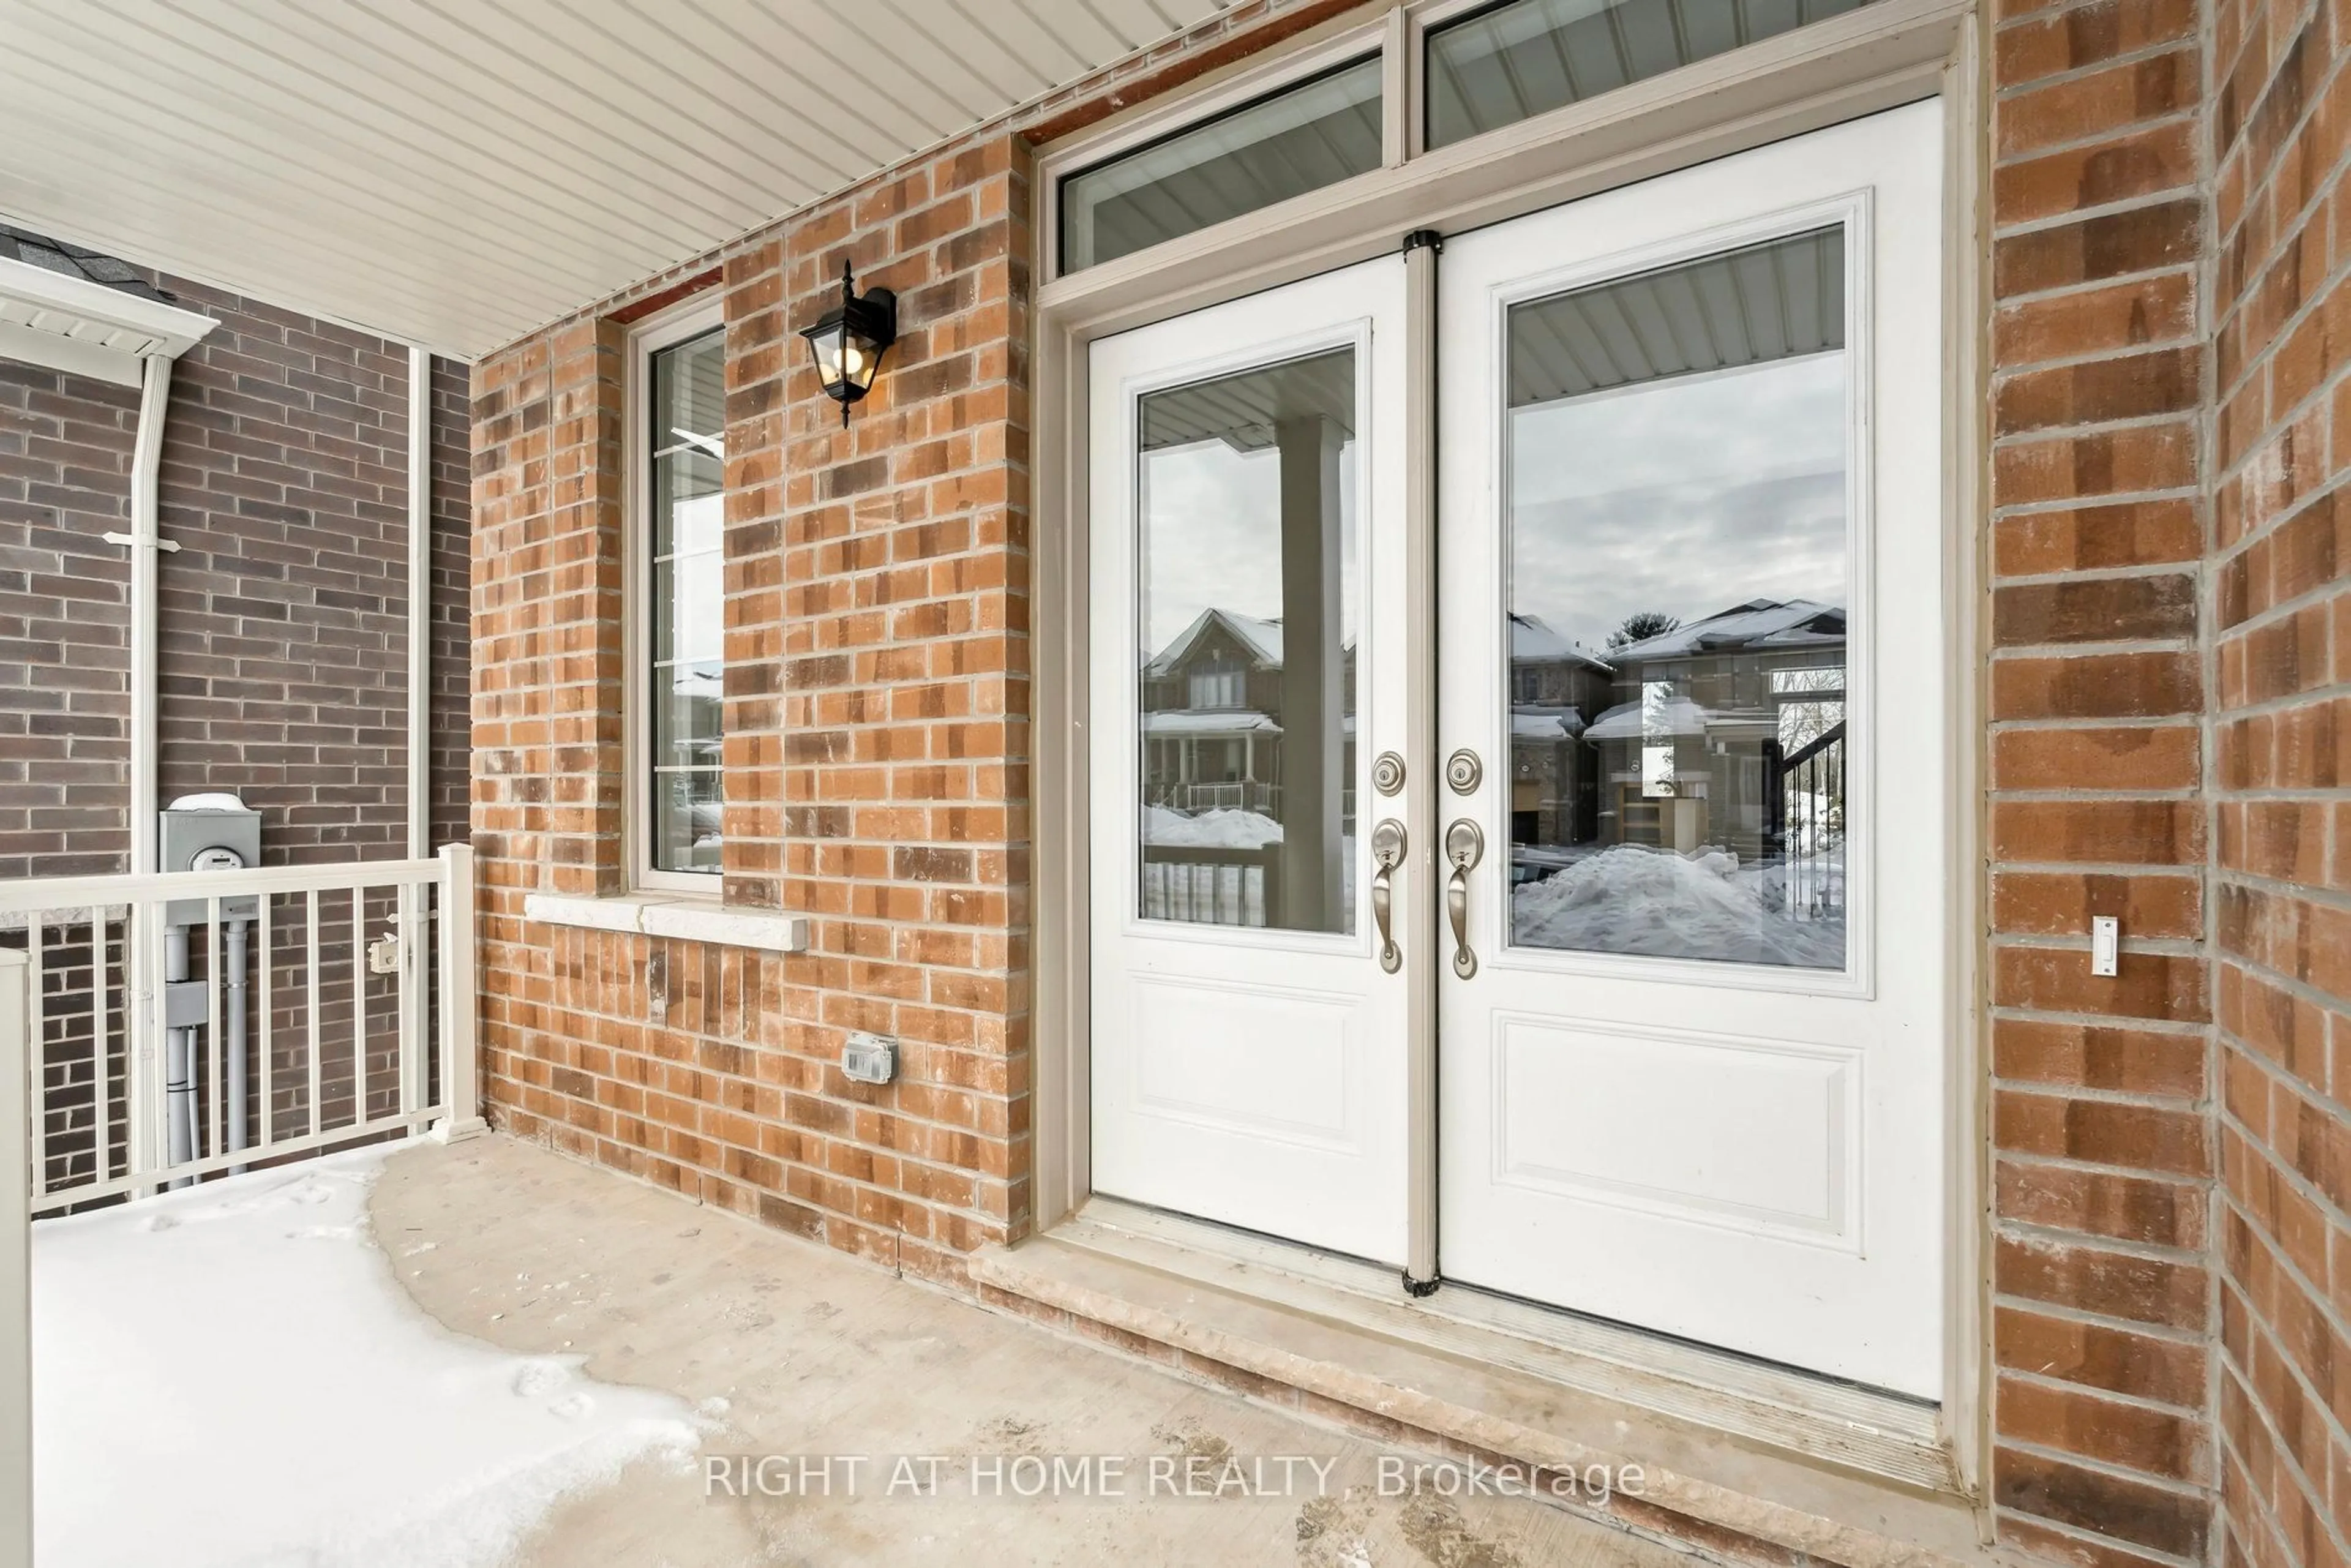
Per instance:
{"type": "Point", "coordinates": [403, 1047]}
{"type": "Point", "coordinates": [37, 1026]}
{"type": "Point", "coordinates": [212, 1026]}
{"type": "Point", "coordinates": [359, 1006]}
{"type": "Point", "coordinates": [101, 1075]}
{"type": "Point", "coordinates": [268, 1029]}
{"type": "Point", "coordinates": [316, 1042]}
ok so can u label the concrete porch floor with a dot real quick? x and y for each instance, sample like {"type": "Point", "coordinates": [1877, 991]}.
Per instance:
{"type": "Point", "coordinates": [813, 1353]}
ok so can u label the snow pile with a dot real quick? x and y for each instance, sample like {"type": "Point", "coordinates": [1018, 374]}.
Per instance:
{"type": "Point", "coordinates": [231, 1374]}
{"type": "Point", "coordinates": [1631, 899]}
{"type": "Point", "coordinates": [1222, 830]}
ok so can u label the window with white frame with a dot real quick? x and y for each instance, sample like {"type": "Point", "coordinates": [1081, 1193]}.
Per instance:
{"type": "Point", "coordinates": [679, 609]}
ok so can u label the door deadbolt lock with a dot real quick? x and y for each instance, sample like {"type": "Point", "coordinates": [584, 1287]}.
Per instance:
{"type": "Point", "coordinates": [1387, 773]}
{"type": "Point", "coordinates": [1462, 771]}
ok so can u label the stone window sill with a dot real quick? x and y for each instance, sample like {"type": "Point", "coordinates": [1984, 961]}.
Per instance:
{"type": "Point", "coordinates": [674, 915]}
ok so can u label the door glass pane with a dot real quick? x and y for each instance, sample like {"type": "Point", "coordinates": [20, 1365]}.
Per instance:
{"type": "Point", "coordinates": [1502, 64]}
{"type": "Point", "coordinates": [1249, 592]}
{"type": "Point", "coordinates": [1300, 139]}
{"type": "Point", "coordinates": [1677, 592]}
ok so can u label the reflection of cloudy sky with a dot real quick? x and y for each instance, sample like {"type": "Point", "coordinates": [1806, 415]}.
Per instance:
{"type": "Point", "coordinates": [698, 582]}
{"type": "Point", "coordinates": [1212, 535]}
{"type": "Point", "coordinates": [1686, 496]}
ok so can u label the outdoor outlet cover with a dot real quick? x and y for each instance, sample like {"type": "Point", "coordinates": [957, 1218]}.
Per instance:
{"type": "Point", "coordinates": [868, 1059]}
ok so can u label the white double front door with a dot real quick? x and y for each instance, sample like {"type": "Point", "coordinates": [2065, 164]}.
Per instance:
{"type": "Point", "coordinates": [1683, 826]}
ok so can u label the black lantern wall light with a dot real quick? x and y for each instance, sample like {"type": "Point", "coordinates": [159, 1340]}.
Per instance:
{"type": "Point", "coordinates": [849, 340]}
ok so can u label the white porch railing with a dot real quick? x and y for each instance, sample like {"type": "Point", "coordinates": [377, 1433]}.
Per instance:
{"type": "Point", "coordinates": [181, 1025]}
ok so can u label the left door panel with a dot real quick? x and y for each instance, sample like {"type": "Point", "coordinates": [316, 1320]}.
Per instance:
{"type": "Point", "coordinates": [1244, 540]}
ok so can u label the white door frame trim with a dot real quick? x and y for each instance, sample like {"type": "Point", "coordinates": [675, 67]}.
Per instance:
{"type": "Point", "coordinates": [1883, 54]}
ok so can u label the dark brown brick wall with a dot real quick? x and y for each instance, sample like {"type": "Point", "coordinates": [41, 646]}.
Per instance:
{"type": "Point", "coordinates": [65, 622]}
{"type": "Point", "coordinates": [284, 614]}
{"type": "Point", "coordinates": [282, 618]}
{"type": "Point", "coordinates": [452, 607]}
{"type": "Point", "coordinates": [283, 630]}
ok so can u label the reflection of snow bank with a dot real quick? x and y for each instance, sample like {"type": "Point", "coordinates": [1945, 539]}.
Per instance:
{"type": "Point", "coordinates": [1221, 830]}
{"type": "Point", "coordinates": [231, 1374]}
{"type": "Point", "coordinates": [1629, 899]}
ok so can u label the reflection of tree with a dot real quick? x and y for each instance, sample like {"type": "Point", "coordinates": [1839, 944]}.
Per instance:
{"type": "Point", "coordinates": [1802, 722]}
{"type": "Point", "coordinates": [1641, 625]}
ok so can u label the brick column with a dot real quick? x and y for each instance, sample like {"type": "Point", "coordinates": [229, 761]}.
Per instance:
{"type": "Point", "coordinates": [905, 708]}
{"type": "Point", "coordinates": [2281, 302]}
{"type": "Point", "coordinates": [2102, 1291]}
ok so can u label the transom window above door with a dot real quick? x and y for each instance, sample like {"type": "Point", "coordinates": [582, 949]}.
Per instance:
{"type": "Point", "coordinates": [1505, 63]}
{"type": "Point", "coordinates": [1304, 137]}
{"type": "Point", "coordinates": [1434, 74]}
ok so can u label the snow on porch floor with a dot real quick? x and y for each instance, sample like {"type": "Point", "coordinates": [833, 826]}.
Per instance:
{"type": "Point", "coordinates": [232, 1374]}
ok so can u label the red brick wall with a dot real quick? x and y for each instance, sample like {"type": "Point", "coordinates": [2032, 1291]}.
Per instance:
{"type": "Point", "coordinates": [877, 745]}
{"type": "Point", "coordinates": [2101, 1093]}
{"type": "Point", "coordinates": [875, 748]}
{"type": "Point", "coordinates": [2282, 927]}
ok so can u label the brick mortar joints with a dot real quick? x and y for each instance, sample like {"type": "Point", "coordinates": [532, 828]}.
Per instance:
{"type": "Point", "coordinates": [2027, 1231]}
{"type": "Point", "coordinates": [2113, 1395]}
{"type": "Point", "coordinates": [2107, 1468]}
{"type": "Point", "coordinates": [2014, 1013]}
{"type": "Point", "coordinates": [2281, 1551]}
{"type": "Point", "coordinates": [2278, 1445]}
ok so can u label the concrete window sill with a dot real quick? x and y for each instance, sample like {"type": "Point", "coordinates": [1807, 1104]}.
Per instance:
{"type": "Point", "coordinates": [669, 915]}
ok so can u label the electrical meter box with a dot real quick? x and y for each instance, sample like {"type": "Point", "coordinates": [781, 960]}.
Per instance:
{"type": "Point", "coordinates": [209, 832]}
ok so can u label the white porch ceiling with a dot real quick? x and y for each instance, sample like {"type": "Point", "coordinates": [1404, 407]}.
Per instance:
{"type": "Point", "coordinates": [457, 173]}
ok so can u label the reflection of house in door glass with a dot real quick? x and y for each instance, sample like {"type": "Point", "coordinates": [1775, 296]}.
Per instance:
{"type": "Point", "coordinates": [1246, 689]}
{"type": "Point", "coordinates": [1678, 525]}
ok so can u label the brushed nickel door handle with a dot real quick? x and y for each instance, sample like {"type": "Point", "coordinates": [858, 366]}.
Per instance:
{"type": "Point", "coordinates": [1388, 853]}
{"type": "Point", "coordinates": [1464, 847]}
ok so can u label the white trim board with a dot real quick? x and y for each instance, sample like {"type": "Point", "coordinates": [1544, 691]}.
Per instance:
{"type": "Point", "coordinates": [87, 328]}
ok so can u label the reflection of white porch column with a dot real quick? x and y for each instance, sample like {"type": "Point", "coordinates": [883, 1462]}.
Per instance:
{"type": "Point", "coordinates": [1311, 665]}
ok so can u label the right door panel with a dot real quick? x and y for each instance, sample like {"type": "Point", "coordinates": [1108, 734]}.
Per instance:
{"type": "Point", "coordinates": [1693, 1056]}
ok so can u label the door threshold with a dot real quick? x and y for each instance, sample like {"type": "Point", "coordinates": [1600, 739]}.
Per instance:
{"type": "Point", "coordinates": [1736, 1452]}
{"type": "Point", "coordinates": [1890, 1435]}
